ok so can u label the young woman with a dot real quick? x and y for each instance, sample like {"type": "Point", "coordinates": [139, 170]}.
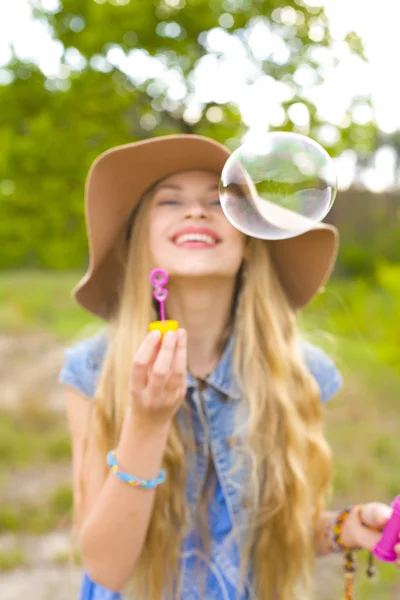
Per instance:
{"type": "Point", "coordinates": [222, 419]}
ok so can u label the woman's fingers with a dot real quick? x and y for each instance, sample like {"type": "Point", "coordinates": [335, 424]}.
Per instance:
{"type": "Point", "coordinates": [180, 358]}
{"type": "Point", "coordinates": [368, 539]}
{"type": "Point", "coordinates": [158, 380]}
{"type": "Point", "coordinates": [162, 365]}
{"type": "Point", "coordinates": [176, 382]}
{"type": "Point", "coordinates": [374, 516]}
{"type": "Point", "coordinates": [143, 358]}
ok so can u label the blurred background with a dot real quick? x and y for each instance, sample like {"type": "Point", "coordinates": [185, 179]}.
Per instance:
{"type": "Point", "coordinates": [79, 76]}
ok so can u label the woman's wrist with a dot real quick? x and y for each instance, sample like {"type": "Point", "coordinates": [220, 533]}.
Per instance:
{"type": "Point", "coordinates": [141, 446]}
{"type": "Point", "coordinates": [338, 531]}
{"type": "Point", "coordinates": [143, 426]}
{"type": "Point", "coordinates": [349, 528]}
{"type": "Point", "coordinates": [325, 535]}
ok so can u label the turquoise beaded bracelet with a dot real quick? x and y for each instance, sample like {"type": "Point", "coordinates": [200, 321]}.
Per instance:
{"type": "Point", "coordinates": [131, 479]}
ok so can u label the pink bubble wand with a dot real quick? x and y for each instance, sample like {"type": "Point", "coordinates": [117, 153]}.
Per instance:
{"type": "Point", "coordinates": [159, 279]}
{"type": "Point", "coordinates": [384, 550]}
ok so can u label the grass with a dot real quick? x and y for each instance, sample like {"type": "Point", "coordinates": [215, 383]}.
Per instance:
{"type": "Point", "coordinates": [60, 501]}
{"type": "Point", "coordinates": [361, 317]}
{"type": "Point", "coordinates": [356, 323]}
{"type": "Point", "coordinates": [41, 302]}
{"type": "Point", "coordinates": [38, 518]}
{"type": "Point", "coordinates": [352, 321]}
{"type": "Point", "coordinates": [31, 436]}
{"type": "Point", "coordinates": [12, 559]}
{"type": "Point", "coordinates": [384, 586]}
{"type": "Point", "coordinates": [362, 429]}
{"type": "Point", "coordinates": [67, 558]}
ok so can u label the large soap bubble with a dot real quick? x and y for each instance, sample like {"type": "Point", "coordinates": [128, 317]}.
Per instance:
{"type": "Point", "coordinates": [278, 186]}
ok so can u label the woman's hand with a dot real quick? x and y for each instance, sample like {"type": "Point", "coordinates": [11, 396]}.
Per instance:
{"type": "Point", "coordinates": [364, 526]}
{"type": "Point", "coordinates": [158, 379]}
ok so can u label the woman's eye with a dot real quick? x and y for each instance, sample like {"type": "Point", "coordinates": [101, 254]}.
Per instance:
{"type": "Point", "coordinates": [216, 202]}
{"type": "Point", "coordinates": [166, 202]}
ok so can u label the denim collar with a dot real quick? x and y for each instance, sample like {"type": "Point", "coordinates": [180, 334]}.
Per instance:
{"type": "Point", "coordinates": [221, 378]}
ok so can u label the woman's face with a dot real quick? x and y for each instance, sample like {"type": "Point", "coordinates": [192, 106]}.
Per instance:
{"type": "Point", "coordinates": [189, 233]}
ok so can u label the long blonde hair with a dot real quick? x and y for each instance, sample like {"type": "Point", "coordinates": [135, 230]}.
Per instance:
{"type": "Point", "coordinates": [290, 459]}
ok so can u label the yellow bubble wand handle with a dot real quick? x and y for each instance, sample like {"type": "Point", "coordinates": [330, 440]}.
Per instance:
{"type": "Point", "coordinates": [158, 279]}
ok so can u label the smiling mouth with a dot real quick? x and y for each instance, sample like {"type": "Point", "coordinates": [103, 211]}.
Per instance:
{"type": "Point", "coordinates": [195, 240]}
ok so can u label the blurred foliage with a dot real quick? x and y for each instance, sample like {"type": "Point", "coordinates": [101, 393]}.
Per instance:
{"type": "Point", "coordinates": [362, 253]}
{"type": "Point", "coordinates": [369, 231]}
{"type": "Point", "coordinates": [51, 128]}
{"type": "Point", "coordinates": [366, 314]}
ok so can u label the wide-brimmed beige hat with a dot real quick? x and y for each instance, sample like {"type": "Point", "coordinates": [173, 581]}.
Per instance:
{"type": "Point", "coordinates": [116, 182]}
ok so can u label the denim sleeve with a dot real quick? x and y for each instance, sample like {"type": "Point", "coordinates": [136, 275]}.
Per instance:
{"type": "Point", "coordinates": [323, 370]}
{"type": "Point", "coordinates": [82, 365]}
{"type": "Point", "coordinates": [94, 591]}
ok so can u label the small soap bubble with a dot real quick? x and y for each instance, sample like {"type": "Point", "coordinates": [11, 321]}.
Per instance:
{"type": "Point", "coordinates": [278, 186]}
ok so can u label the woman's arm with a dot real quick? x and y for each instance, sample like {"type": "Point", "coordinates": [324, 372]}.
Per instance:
{"type": "Point", "coordinates": [361, 529]}
{"type": "Point", "coordinates": [113, 516]}
{"type": "Point", "coordinates": [325, 533]}
{"type": "Point", "coordinates": [352, 532]}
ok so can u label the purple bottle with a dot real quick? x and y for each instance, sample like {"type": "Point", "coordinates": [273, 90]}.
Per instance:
{"type": "Point", "coordinates": [384, 550]}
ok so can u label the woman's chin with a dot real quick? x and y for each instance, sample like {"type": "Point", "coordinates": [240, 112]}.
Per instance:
{"type": "Point", "coordinates": [191, 266]}
{"type": "Point", "coordinates": [192, 272]}
{"type": "Point", "coordinates": [197, 271]}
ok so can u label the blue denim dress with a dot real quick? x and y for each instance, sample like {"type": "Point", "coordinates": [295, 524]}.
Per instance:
{"type": "Point", "coordinates": [213, 423]}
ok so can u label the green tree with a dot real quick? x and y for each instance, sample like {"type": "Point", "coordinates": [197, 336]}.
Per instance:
{"type": "Point", "coordinates": [52, 128]}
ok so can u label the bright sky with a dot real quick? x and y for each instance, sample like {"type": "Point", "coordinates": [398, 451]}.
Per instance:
{"type": "Point", "coordinates": [377, 23]}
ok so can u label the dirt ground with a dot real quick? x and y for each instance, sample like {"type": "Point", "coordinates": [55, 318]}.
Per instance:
{"type": "Point", "coordinates": [28, 372]}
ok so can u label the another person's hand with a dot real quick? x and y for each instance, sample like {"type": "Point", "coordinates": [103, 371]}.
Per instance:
{"type": "Point", "coordinates": [158, 378]}
{"type": "Point", "coordinates": [364, 527]}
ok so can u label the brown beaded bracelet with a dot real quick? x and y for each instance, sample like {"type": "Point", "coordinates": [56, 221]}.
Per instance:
{"type": "Point", "coordinates": [350, 562]}
{"type": "Point", "coordinates": [337, 527]}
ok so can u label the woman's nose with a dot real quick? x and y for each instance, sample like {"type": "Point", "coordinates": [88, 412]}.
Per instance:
{"type": "Point", "coordinates": [197, 209]}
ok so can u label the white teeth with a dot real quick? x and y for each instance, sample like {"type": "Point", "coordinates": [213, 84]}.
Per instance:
{"type": "Point", "coordinates": [195, 237]}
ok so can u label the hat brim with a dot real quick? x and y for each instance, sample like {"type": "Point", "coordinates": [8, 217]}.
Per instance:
{"type": "Point", "coordinates": [118, 179]}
